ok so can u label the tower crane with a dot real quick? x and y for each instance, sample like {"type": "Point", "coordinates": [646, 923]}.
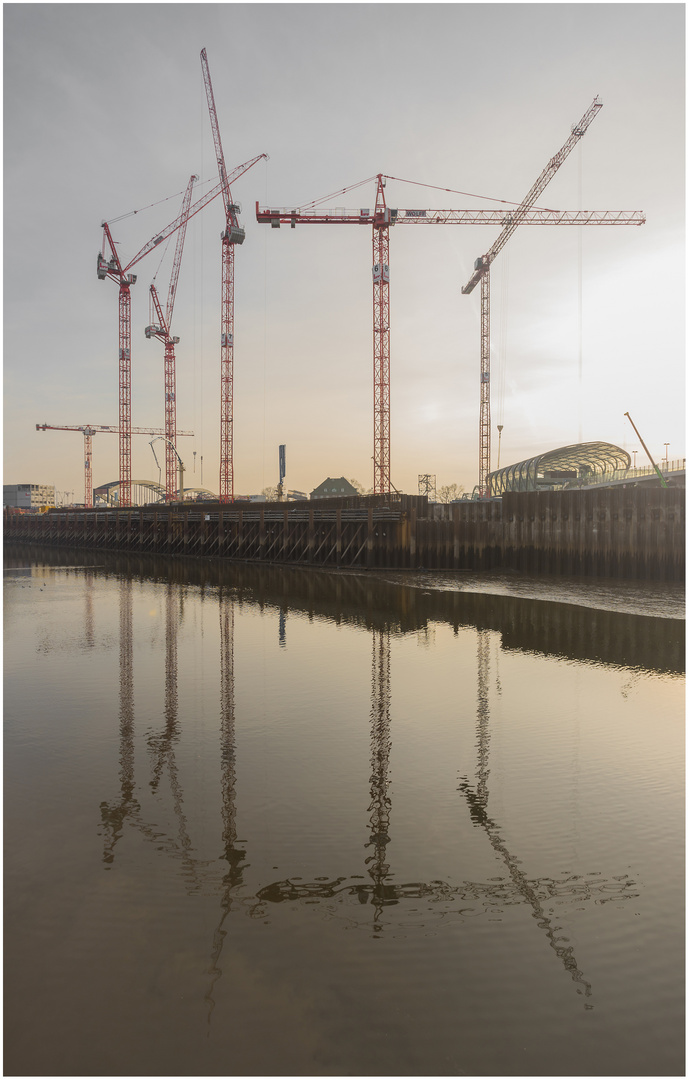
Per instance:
{"type": "Point", "coordinates": [89, 430]}
{"type": "Point", "coordinates": [111, 267]}
{"type": "Point", "coordinates": [482, 274]}
{"type": "Point", "coordinates": [381, 218]}
{"type": "Point", "coordinates": [231, 235]}
{"type": "Point", "coordinates": [162, 331]}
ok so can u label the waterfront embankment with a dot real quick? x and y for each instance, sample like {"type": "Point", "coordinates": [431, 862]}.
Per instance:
{"type": "Point", "coordinates": [632, 533]}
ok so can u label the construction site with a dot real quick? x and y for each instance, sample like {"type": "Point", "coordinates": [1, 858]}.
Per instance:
{"type": "Point", "coordinates": [344, 540]}
{"type": "Point", "coordinates": [629, 521]}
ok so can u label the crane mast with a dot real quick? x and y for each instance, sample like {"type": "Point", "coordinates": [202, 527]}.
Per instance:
{"type": "Point", "coordinates": [162, 331]}
{"type": "Point", "coordinates": [112, 268]}
{"type": "Point", "coordinates": [381, 343]}
{"type": "Point", "coordinates": [482, 274]}
{"type": "Point", "coordinates": [231, 235]}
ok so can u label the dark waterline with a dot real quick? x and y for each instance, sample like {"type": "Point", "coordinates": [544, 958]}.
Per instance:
{"type": "Point", "coordinates": [267, 821]}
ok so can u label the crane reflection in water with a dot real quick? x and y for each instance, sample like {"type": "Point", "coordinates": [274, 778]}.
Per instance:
{"type": "Point", "coordinates": [161, 746]}
{"type": "Point", "coordinates": [115, 814]}
{"type": "Point", "coordinates": [234, 855]}
{"type": "Point", "coordinates": [476, 796]}
{"type": "Point", "coordinates": [380, 892]}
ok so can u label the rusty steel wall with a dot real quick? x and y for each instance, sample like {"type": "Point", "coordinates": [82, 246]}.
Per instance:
{"type": "Point", "coordinates": [633, 532]}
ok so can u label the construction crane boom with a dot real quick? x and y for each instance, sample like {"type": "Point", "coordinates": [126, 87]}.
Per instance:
{"type": "Point", "coordinates": [179, 247]}
{"type": "Point", "coordinates": [578, 130]}
{"type": "Point", "coordinates": [532, 216]}
{"type": "Point", "coordinates": [89, 430]}
{"type": "Point", "coordinates": [482, 274]}
{"type": "Point", "coordinates": [111, 429]}
{"type": "Point", "coordinates": [215, 127]}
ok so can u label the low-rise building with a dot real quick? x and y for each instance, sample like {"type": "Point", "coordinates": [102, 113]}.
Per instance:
{"type": "Point", "coordinates": [28, 496]}
{"type": "Point", "coordinates": [333, 489]}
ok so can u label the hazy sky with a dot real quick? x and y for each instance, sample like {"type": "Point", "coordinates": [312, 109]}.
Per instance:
{"type": "Point", "coordinates": [105, 113]}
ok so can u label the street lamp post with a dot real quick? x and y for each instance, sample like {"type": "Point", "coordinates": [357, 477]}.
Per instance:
{"type": "Point", "coordinates": [667, 463]}
{"type": "Point", "coordinates": [180, 465]}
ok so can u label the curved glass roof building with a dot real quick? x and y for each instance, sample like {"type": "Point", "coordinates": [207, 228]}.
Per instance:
{"type": "Point", "coordinates": [568, 466]}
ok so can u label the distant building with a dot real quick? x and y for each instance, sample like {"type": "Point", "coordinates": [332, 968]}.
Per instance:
{"type": "Point", "coordinates": [28, 496]}
{"type": "Point", "coordinates": [578, 465]}
{"type": "Point", "coordinates": [333, 489]}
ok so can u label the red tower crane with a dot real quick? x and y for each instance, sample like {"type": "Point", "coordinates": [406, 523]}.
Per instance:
{"type": "Point", "coordinates": [89, 430]}
{"type": "Point", "coordinates": [482, 274]}
{"type": "Point", "coordinates": [162, 331]}
{"type": "Point", "coordinates": [381, 219]}
{"type": "Point", "coordinates": [381, 343]}
{"type": "Point", "coordinates": [112, 268]}
{"type": "Point", "coordinates": [232, 234]}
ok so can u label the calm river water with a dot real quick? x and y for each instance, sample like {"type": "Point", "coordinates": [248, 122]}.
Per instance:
{"type": "Point", "coordinates": [273, 821]}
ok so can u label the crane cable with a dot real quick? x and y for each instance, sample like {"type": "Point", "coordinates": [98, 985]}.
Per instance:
{"type": "Point", "coordinates": [165, 249]}
{"type": "Point", "coordinates": [580, 295]}
{"type": "Point", "coordinates": [502, 336]}
{"type": "Point", "coordinates": [416, 183]}
{"type": "Point", "coordinates": [333, 194]}
{"type": "Point", "coordinates": [131, 213]}
{"type": "Point", "coordinates": [468, 194]}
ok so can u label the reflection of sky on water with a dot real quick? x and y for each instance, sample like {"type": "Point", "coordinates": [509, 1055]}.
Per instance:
{"type": "Point", "coordinates": [292, 761]}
